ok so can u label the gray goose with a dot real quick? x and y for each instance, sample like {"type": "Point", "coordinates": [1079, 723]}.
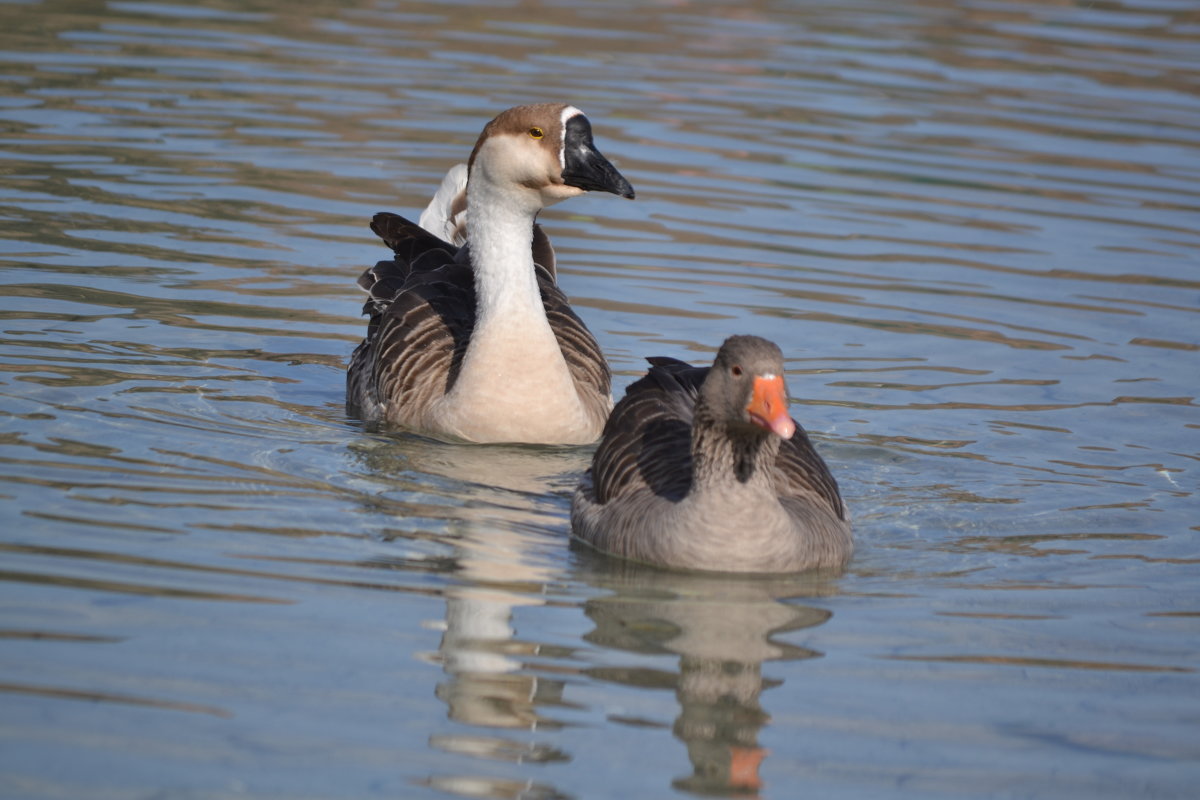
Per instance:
{"type": "Point", "coordinates": [703, 468]}
{"type": "Point", "coordinates": [476, 342]}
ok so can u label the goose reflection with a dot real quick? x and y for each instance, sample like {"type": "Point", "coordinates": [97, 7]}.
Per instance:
{"type": "Point", "coordinates": [469, 483]}
{"type": "Point", "coordinates": [500, 544]}
{"type": "Point", "coordinates": [501, 547]}
{"type": "Point", "coordinates": [722, 628]}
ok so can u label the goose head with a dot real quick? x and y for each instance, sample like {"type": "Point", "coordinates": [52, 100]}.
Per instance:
{"type": "Point", "coordinates": [745, 390]}
{"type": "Point", "coordinates": [544, 154]}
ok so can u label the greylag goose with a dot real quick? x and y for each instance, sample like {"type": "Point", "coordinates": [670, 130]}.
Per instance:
{"type": "Point", "coordinates": [476, 342]}
{"type": "Point", "coordinates": [703, 468]}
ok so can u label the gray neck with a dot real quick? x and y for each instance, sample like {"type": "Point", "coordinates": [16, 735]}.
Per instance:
{"type": "Point", "coordinates": [731, 459]}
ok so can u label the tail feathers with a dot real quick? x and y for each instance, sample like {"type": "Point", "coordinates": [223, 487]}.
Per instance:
{"type": "Point", "coordinates": [668, 363]}
{"type": "Point", "coordinates": [407, 239]}
{"type": "Point", "coordinates": [446, 216]}
{"type": "Point", "coordinates": [382, 271]}
{"type": "Point", "coordinates": [416, 250]}
{"type": "Point", "coordinates": [382, 283]}
{"type": "Point", "coordinates": [671, 374]}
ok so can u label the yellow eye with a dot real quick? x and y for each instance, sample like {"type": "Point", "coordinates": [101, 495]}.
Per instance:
{"type": "Point", "coordinates": [536, 132]}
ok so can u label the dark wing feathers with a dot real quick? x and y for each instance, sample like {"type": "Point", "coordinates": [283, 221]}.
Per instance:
{"type": "Point", "coordinates": [581, 351]}
{"type": "Point", "coordinates": [429, 323]}
{"type": "Point", "coordinates": [801, 472]}
{"type": "Point", "coordinates": [647, 440]}
{"type": "Point", "coordinates": [406, 239]}
{"type": "Point", "coordinates": [422, 304]}
{"type": "Point", "coordinates": [647, 444]}
{"type": "Point", "coordinates": [543, 252]}
{"type": "Point", "coordinates": [671, 364]}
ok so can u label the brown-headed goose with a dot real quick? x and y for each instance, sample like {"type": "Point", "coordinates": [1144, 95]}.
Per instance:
{"type": "Point", "coordinates": [476, 342]}
{"type": "Point", "coordinates": [703, 468]}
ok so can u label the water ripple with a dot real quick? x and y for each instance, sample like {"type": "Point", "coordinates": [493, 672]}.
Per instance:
{"type": "Point", "coordinates": [969, 225]}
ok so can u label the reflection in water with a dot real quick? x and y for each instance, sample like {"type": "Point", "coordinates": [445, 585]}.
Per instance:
{"type": "Point", "coordinates": [483, 511]}
{"type": "Point", "coordinates": [501, 789]}
{"type": "Point", "coordinates": [722, 629]}
{"type": "Point", "coordinates": [521, 478]}
{"type": "Point", "coordinates": [495, 505]}
{"type": "Point", "coordinates": [482, 657]}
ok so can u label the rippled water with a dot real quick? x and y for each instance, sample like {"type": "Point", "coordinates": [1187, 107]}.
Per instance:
{"type": "Point", "coordinates": [972, 227]}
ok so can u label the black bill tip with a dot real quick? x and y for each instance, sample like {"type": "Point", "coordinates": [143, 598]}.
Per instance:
{"type": "Point", "coordinates": [585, 167]}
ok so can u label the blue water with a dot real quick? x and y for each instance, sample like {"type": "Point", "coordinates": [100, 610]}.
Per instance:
{"type": "Point", "coordinates": [971, 226]}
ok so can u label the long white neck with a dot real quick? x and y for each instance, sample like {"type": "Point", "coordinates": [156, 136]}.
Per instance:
{"type": "Point", "coordinates": [514, 384]}
{"type": "Point", "coordinates": [500, 234]}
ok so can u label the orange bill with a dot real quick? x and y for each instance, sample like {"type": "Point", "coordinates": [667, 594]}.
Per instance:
{"type": "Point", "coordinates": [769, 407]}
{"type": "Point", "coordinates": [743, 767]}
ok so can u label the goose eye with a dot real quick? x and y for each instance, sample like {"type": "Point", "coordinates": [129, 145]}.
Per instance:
{"type": "Point", "coordinates": [536, 132]}
{"type": "Point", "coordinates": [736, 371]}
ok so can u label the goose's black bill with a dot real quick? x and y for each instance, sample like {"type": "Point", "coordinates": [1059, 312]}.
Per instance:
{"type": "Point", "coordinates": [585, 168]}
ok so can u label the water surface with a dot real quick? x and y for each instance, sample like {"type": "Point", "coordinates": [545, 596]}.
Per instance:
{"type": "Point", "coordinates": [971, 226]}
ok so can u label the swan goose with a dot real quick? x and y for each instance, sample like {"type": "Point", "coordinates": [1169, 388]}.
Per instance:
{"type": "Point", "coordinates": [469, 337]}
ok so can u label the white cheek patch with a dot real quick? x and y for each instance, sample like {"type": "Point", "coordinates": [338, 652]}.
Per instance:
{"type": "Point", "coordinates": [567, 113]}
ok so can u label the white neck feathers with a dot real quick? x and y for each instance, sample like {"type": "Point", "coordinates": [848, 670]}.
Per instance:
{"type": "Point", "coordinates": [500, 234]}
